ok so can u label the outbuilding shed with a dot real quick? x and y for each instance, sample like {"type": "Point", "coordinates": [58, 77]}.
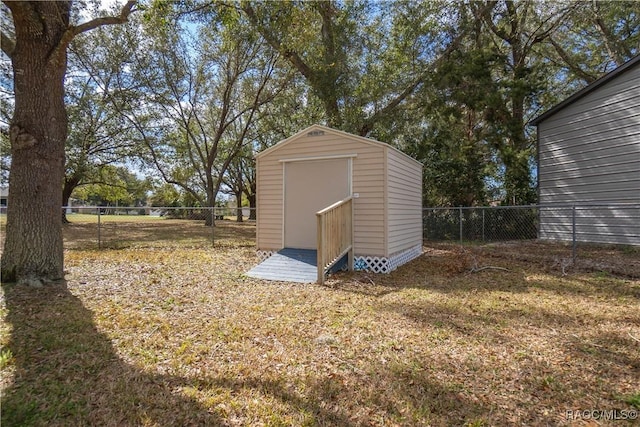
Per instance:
{"type": "Point", "coordinates": [589, 162]}
{"type": "Point", "coordinates": [379, 187]}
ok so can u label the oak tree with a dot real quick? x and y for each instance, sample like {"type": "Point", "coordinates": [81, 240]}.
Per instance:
{"type": "Point", "coordinates": [33, 249]}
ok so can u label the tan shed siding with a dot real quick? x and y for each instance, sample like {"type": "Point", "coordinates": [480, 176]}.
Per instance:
{"type": "Point", "coordinates": [368, 208]}
{"type": "Point", "coordinates": [367, 180]}
{"type": "Point", "coordinates": [589, 152]}
{"type": "Point", "coordinates": [269, 204]}
{"type": "Point", "coordinates": [404, 180]}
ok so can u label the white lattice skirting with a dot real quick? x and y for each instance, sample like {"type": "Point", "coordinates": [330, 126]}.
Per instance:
{"type": "Point", "coordinates": [374, 264]}
{"type": "Point", "coordinates": [262, 255]}
{"type": "Point", "coordinates": [377, 264]}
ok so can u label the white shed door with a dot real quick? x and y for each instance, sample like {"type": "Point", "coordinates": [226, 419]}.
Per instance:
{"type": "Point", "coordinates": [311, 186]}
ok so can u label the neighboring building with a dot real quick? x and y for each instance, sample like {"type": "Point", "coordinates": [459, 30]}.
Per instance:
{"type": "Point", "coordinates": [319, 166]}
{"type": "Point", "coordinates": [589, 156]}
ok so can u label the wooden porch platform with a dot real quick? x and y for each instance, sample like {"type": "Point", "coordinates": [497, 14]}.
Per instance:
{"type": "Point", "coordinates": [288, 265]}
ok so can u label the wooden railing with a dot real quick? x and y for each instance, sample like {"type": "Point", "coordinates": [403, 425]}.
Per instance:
{"type": "Point", "coordinates": [335, 235]}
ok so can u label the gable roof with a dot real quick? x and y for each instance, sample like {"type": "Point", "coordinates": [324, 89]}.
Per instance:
{"type": "Point", "coordinates": [587, 89]}
{"type": "Point", "coordinates": [316, 127]}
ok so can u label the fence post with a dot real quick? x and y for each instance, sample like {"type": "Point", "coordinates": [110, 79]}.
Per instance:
{"type": "Point", "coordinates": [573, 233]}
{"type": "Point", "coordinates": [482, 225]}
{"type": "Point", "coordinates": [213, 226]}
{"type": "Point", "coordinates": [99, 237]}
{"type": "Point", "coordinates": [460, 210]}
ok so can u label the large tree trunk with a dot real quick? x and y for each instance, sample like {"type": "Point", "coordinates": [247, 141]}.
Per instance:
{"type": "Point", "coordinates": [33, 246]}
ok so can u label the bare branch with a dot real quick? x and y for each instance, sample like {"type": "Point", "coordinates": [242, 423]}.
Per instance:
{"type": "Point", "coordinates": [487, 267]}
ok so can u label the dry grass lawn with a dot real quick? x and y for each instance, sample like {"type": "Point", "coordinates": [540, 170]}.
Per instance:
{"type": "Point", "coordinates": [177, 335]}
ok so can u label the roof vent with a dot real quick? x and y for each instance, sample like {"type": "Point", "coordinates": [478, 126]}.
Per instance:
{"type": "Point", "coordinates": [316, 133]}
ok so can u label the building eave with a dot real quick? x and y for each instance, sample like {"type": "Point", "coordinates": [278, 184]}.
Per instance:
{"type": "Point", "coordinates": [586, 90]}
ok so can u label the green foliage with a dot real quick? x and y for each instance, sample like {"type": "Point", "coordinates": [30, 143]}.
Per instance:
{"type": "Point", "coordinates": [99, 135]}
{"type": "Point", "coordinates": [116, 185]}
{"type": "Point", "coordinates": [6, 358]}
{"type": "Point", "coordinates": [165, 195]}
{"type": "Point", "coordinates": [633, 400]}
{"type": "Point", "coordinates": [454, 165]}
{"type": "Point", "coordinates": [595, 38]}
{"type": "Point", "coordinates": [358, 60]}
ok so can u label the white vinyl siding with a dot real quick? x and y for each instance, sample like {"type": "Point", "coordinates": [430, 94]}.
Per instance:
{"type": "Point", "coordinates": [589, 153]}
{"type": "Point", "coordinates": [404, 208]}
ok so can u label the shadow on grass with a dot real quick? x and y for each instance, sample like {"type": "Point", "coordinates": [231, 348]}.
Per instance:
{"type": "Point", "coordinates": [406, 394]}
{"type": "Point", "coordinates": [606, 348]}
{"type": "Point", "coordinates": [510, 330]}
{"type": "Point", "coordinates": [66, 372]}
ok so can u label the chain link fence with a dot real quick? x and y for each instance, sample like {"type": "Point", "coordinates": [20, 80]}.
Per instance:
{"type": "Point", "coordinates": [608, 224]}
{"type": "Point", "coordinates": [601, 235]}
{"type": "Point", "coordinates": [480, 224]}
{"type": "Point", "coordinates": [121, 227]}
{"type": "Point", "coordinates": [550, 234]}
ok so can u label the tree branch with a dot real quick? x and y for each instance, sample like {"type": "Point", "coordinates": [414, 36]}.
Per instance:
{"type": "Point", "coordinates": [292, 56]}
{"type": "Point", "coordinates": [8, 45]}
{"type": "Point", "coordinates": [486, 13]}
{"type": "Point", "coordinates": [74, 30]}
{"type": "Point", "coordinates": [573, 66]}
{"type": "Point", "coordinates": [126, 10]}
{"type": "Point", "coordinates": [617, 51]}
